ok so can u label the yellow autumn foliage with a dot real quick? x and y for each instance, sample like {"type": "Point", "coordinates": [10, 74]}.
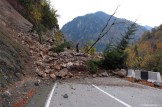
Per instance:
{"type": "Point", "coordinates": [147, 52]}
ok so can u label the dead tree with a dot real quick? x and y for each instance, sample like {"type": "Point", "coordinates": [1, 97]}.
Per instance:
{"type": "Point", "coordinates": [104, 31]}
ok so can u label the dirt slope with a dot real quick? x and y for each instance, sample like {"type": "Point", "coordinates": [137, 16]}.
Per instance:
{"type": "Point", "coordinates": [13, 56]}
{"type": "Point", "coordinates": [11, 18]}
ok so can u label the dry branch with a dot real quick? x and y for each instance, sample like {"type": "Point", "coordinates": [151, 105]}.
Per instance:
{"type": "Point", "coordinates": [103, 32]}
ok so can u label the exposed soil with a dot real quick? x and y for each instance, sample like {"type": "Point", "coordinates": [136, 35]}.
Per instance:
{"type": "Point", "coordinates": [143, 82]}
{"type": "Point", "coordinates": [11, 18]}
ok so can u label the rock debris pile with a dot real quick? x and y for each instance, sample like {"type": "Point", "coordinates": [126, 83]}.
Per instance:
{"type": "Point", "coordinates": [53, 65]}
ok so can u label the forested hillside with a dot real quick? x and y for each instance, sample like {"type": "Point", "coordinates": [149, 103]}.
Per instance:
{"type": "Point", "coordinates": [147, 52]}
{"type": "Point", "coordinates": [37, 12]}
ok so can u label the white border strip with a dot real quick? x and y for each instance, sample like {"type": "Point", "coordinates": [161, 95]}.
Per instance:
{"type": "Point", "coordinates": [50, 96]}
{"type": "Point", "coordinates": [125, 104]}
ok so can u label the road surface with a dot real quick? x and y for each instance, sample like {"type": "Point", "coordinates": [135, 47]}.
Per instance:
{"type": "Point", "coordinates": [104, 92]}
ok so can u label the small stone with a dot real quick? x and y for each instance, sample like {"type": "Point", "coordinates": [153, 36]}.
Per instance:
{"type": "Point", "coordinates": [94, 75]}
{"type": "Point", "coordinates": [47, 71]}
{"type": "Point", "coordinates": [50, 53]}
{"type": "Point", "coordinates": [18, 75]}
{"type": "Point", "coordinates": [53, 76]}
{"type": "Point", "coordinates": [48, 59]}
{"type": "Point", "coordinates": [7, 93]}
{"type": "Point", "coordinates": [63, 72]}
{"type": "Point", "coordinates": [69, 64]}
{"type": "Point", "coordinates": [65, 96]}
{"type": "Point", "coordinates": [157, 84]}
{"type": "Point", "coordinates": [57, 67]}
{"type": "Point", "coordinates": [63, 65]}
{"type": "Point", "coordinates": [73, 88]}
{"type": "Point", "coordinates": [41, 54]}
{"type": "Point", "coordinates": [104, 74]}
{"type": "Point", "coordinates": [76, 64]}
{"type": "Point", "coordinates": [40, 73]}
{"type": "Point", "coordinates": [55, 54]}
{"type": "Point", "coordinates": [78, 54]}
{"type": "Point", "coordinates": [38, 63]}
{"type": "Point", "coordinates": [37, 83]}
{"type": "Point", "coordinates": [70, 74]}
{"type": "Point", "coordinates": [77, 77]}
{"type": "Point", "coordinates": [44, 75]}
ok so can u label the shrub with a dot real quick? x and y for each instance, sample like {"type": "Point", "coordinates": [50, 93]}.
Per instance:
{"type": "Point", "coordinates": [60, 48]}
{"type": "Point", "coordinates": [92, 66]}
{"type": "Point", "coordinates": [114, 59]}
{"type": "Point", "coordinates": [40, 13]}
{"type": "Point", "coordinates": [58, 38]}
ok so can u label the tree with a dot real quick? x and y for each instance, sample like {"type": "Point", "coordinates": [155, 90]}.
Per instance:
{"type": "Point", "coordinates": [116, 56]}
{"type": "Point", "coordinates": [49, 17]}
{"type": "Point", "coordinates": [126, 37]}
{"type": "Point", "coordinates": [40, 13]}
{"type": "Point", "coordinates": [147, 54]}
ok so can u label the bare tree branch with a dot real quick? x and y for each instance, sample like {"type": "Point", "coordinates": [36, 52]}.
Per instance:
{"type": "Point", "coordinates": [109, 21]}
{"type": "Point", "coordinates": [102, 33]}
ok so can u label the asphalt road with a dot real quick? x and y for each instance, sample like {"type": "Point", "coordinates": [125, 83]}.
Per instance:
{"type": "Point", "coordinates": [103, 92]}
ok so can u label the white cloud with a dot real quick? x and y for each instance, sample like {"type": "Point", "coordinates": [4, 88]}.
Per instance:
{"type": "Point", "coordinates": [147, 12]}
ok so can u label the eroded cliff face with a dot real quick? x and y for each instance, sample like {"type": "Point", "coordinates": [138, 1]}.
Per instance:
{"type": "Point", "coordinates": [12, 60]}
{"type": "Point", "coordinates": [13, 56]}
{"type": "Point", "coordinates": [11, 18]}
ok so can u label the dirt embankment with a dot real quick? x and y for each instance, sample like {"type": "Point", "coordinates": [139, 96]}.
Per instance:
{"type": "Point", "coordinates": [14, 58]}
{"type": "Point", "coordinates": [10, 18]}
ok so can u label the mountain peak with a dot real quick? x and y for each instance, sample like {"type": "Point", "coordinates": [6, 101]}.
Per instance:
{"type": "Point", "coordinates": [100, 12]}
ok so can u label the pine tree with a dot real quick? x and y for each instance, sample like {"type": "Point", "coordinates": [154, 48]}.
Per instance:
{"type": "Point", "coordinates": [116, 56]}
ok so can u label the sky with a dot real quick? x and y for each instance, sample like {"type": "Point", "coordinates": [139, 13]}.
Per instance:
{"type": "Point", "coordinates": [146, 12]}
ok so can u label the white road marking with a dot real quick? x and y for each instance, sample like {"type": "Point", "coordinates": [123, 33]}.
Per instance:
{"type": "Point", "coordinates": [50, 96]}
{"type": "Point", "coordinates": [125, 104]}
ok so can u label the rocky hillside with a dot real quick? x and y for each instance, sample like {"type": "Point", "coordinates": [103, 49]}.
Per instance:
{"type": "Point", "coordinates": [85, 28]}
{"type": "Point", "coordinates": [25, 62]}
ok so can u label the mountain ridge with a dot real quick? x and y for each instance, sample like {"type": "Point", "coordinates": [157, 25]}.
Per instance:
{"type": "Point", "coordinates": [87, 27]}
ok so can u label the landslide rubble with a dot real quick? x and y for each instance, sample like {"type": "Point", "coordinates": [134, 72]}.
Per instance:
{"type": "Point", "coordinates": [51, 65]}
